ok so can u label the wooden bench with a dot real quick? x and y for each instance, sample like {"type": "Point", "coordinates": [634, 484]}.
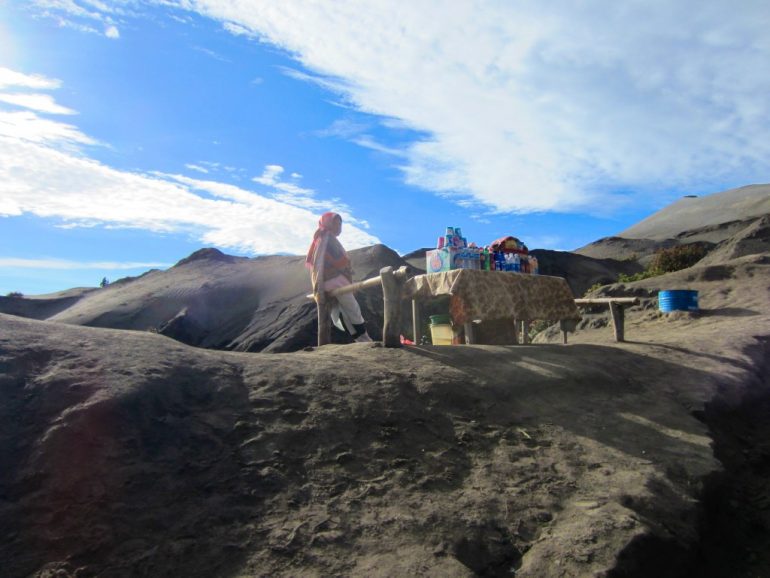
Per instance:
{"type": "Point", "coordinates": [617, 310]}
{"type": "Point", "coordinates": [392, 283]}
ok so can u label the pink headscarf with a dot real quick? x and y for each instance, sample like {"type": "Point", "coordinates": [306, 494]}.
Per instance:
{"type": "Point", "coordinates": [325, 224]}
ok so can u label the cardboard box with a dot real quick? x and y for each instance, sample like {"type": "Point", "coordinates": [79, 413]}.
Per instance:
{"type": "Point", "coordinates": [450, 258]}
{"type": "Point", "coordinates": [439, 260]}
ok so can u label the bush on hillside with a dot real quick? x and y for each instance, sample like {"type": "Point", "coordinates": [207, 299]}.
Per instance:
{"type": "Point", "coordinates": [15, 294]}
{"type": "Point", "coordinates": [677, 258]}
{"type": "Point", "coordinates": [667, 261]}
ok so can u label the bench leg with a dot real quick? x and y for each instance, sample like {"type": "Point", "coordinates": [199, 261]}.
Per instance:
{"type": "Point", "coordinates": [567, 325]}
{"type": "Point", "coordinates": [618, 321]}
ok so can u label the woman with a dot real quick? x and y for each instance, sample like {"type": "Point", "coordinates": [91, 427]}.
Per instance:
{"type": "Point", "coordinates": [336, 273]}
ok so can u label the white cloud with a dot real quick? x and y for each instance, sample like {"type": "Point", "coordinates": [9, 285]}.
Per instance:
{"type": "Point", "coordinates": [27, 126]}
{"type": "Point", "coordinates": [293, 194]}
{"type": "Point", "coordinates": [12, 78]}
{"type": "Point", "coordinates": [531, 106]}
{"type": "Point", "coordinates": [78, 14]}
{"type": "Point", "coordinates": [45, 172]}
{"type": "Point", "coordinates": [8, 262]}
{"type": "Point", "coordinates": [39, 102]}
{"type": "Point", "coordinates": [538, 106]}
{"type": "Point", "coordinates": [197, 168]}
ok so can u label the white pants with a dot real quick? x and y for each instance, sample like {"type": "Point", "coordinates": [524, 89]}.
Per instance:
{"type": "Point", "coordinates": [349, 308]}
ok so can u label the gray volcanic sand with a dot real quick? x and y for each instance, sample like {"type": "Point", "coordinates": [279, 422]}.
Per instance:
{"type": "Point", "coordinates": [128, 454]}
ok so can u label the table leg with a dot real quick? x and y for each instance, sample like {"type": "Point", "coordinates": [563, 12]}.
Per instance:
{"type": "Point", "coordinates": [416, 322]}
{"type": "Point", "coordinates": [469, 336]}
{"type": "Point", "coordinates": [525, 331]}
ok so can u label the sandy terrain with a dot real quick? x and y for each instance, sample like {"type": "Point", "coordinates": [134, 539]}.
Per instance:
{"type": "Point", "coordinates": [130, 454]}
{"type": "Point", "coordinates": [127, 453]}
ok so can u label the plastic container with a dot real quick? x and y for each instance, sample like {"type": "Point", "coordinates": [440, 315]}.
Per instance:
{"type": "Point", "coordinates": [441, 334]}
{"type": "Point", "coordinates": [441, 319]}
{"type": "Point", "coordinates": [677, 300]}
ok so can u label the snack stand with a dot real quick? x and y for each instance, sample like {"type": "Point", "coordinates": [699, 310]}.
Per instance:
{"type": "Point", "coordinates": [493, 283]}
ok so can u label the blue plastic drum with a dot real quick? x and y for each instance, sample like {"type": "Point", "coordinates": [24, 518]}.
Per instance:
{"type": "Point", "coordinates": [678, 300]}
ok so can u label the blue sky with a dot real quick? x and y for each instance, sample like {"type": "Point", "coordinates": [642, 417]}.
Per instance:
{"type": "Point", "coordinates": [134, 132]}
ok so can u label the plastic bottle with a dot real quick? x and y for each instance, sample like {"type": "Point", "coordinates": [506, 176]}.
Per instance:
{"type": "Point", "coordinates": [534, 265]}
{"type": "Point", "coordinates": [485, 259]}
{"type": "Point", "coordinates": [516, 261]}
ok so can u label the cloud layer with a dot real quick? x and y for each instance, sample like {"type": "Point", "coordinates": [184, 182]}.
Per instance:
{"type": "Point", "coordinates": [539, 106]}
{"type": "Point", "coordinates": [45, 171]}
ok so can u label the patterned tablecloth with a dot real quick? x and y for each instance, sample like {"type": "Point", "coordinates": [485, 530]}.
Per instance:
{"type": "Point", "coordinates": [497, 295]}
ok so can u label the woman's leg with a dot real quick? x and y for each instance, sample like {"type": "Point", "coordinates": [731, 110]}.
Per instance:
{"type": "Point", "coordinates": [351, 312]}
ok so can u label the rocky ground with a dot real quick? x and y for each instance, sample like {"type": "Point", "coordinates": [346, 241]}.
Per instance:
{"type": "Point", "coordinates": [129, 454]}
{"type": "Point", "coordinates": [125, 452]}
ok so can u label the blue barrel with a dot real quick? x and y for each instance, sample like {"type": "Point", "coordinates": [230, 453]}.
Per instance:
{"type": "Point", "coordinates": [677, 300]}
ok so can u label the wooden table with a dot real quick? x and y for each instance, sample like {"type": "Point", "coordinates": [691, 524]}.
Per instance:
{"type": "Point", "coordinates": [489, 295]}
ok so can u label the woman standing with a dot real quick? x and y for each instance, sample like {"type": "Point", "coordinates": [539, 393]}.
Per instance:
{"type": "Point", "coordinates": [330, 269]}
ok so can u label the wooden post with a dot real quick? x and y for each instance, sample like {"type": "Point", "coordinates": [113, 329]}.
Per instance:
{"type": "Point", "coordinates": [525, 331]}
{"type": "Point", "coordinates": [515, 331]}
{"type": "Point", "coordinates": [618, 320]}
{"type": "Point", "coordinates": [322, 302]}
{"type": "Point", "coordinates": [391, 294]}
{"type": "Point", "coordinates": [324, 320]}
{"type": "Point", "coordinates": [416, 322]}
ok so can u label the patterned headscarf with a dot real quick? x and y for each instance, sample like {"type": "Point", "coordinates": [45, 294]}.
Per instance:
{"type": "Point", "coordinates": [325, 225]}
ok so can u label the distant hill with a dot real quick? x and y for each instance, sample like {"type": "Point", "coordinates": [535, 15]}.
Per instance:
{"type": "Point", "coordinates": [213, 300]}
{"type": "Point", "coordinates": [708, 220]}
{"type": "Point", "coordinates": [702, 214]}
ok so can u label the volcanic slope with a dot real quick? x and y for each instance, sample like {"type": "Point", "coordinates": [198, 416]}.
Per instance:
{"type": "Point", "coordinates": [214, 300]}
{"type": "Point", "coordinates": [710, 220]}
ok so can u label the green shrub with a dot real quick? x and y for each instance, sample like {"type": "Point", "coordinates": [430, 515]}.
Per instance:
{"type": "Point", "coordinates": [677, 258]}
{"type": "Point", "coordinates": [646, 274]}
{"type": "Point", "coordinates": [15, 294]}
{"type": "Point", "coordinates": [668, 261]}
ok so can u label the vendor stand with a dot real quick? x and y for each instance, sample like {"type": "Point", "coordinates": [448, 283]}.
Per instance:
{"type": "Point", "coordinates": [490, 295]}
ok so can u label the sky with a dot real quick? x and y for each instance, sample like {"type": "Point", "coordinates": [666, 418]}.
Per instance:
{"type": "Point", "coordinates": [134, 132]}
